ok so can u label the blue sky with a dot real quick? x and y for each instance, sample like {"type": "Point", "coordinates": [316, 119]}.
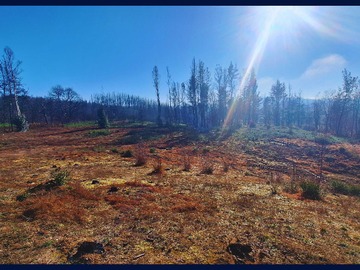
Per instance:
{"type": "Point", "coordinates": [113, 49]}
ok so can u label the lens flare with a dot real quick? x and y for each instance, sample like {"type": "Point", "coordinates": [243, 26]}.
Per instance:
{"type": "Point", "coordinates": [285, 27]}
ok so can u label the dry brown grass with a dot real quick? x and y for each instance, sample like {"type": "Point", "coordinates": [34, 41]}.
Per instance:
{"type": "Point", "coordinates": [185, 207]}
{"type": "Point", "coordinates": [63, 208]}
{"type": "Point", "coordinates": [180, 218]}
{"type": "Point", "coordinates": [187, 162]}
{"type": "Point", "coordinates": [140, 155]}
{"type": "Point", "coordinates": [207, 166]}
{"type": "Point", "coordinates": [158, 167]}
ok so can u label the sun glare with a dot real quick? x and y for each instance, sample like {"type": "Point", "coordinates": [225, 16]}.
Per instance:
{"type": "Point", "coordinates": [279, 29]}
{"type": "Point", "coordinates": [269, 23]}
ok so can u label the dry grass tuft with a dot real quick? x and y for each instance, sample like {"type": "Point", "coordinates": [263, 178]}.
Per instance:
{"type": "Point", "coordinates": [55, 207]}
{"type": "Point", "coordinates": [185, 207]}
{"type": "Point", "coordinates": [158, 167]}
{"type": "Point", "coordinates": [226, 166]}
{"type": "Point", "coordinates": [121, 202]}
{"type": "Point", "coordinates": [246, 201]}
{"type": "Point", "coordinates": [207, 167]}
{"type": "Point", "coordinates": [78, 190]}
{"type": "Point", "coordinates": [140, 156]}
{"type": "Point", "coordinates": [276, 179]}
{"type": "Point", "coordinates": [187, 161]}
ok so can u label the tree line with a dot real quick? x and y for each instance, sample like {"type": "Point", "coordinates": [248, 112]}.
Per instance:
{"type": "Point", "coordinates": [226, 98]}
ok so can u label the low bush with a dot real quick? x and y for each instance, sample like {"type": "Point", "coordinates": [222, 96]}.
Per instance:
{"type": "Point", "coordinates": [126, 153]}
{"type": "Point", "coordinates": [97, 133]}
{"type": "Point", "coordinates": [311, 190]}
{"type": "Point", "coordinates": [346, 189]}
{"type": "Point", "coordinates": [114, 150]}
{"type": "Point", "coordinates": [60, 177]}
{"type": "Point", "coordinates": [103, 121]}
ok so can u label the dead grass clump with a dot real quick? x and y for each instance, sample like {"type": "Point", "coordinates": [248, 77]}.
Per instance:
{"type": "Point", "coordinates": [207, 166]}
{"type": "Point", "coordinates": [121, 202]}
{"type": "Point", "coordinates": [149, 197]}
{"type": "Point", "coordinates": [347, 204]}
{"type": "Point", "coordinates": [140, 156]}
{"type": "Point", "coordinates": [55, 207]}
{"type": "Point", "coordinates": [135, 184]}
{"type": "Point", "coordinates": [246, 201]}
{"type": "Point", "coordinates": [79, 191]}
{"type": "Point", "coordinates": [292, 186]}
{"type": "Point", "coordinates": [150, 211]}
{"type": "Point", "coordinates": [226, 166]}
{"type": "Point", "coordinates": [275, 181]}
{"type": "Point", "coordinates": [158, 167]}
{"type": "Point", "coordinates": [187, 163]}
{"type": "Point", "coordinates": [185, 207]}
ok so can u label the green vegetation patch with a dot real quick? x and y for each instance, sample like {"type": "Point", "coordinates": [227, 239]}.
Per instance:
{"type": "Point", "coordinates": [126, 153]}
{"type": "Point", "coordinates": [58, 178]}
{"type": "Point", "coordinates": [344, 188]}
{"type": "Point", "coordinates": [80, 124]}
{"type": "Point", "coordinates": [98, 133]}
{"type": "Point", "coordinates": [311, 190]}
{"type": "Point", "coordinates": [144, 134]}
{"type": "Point", "coordinates": [262, 133]}
{"type": "Point", "coordinates": [4, 125]}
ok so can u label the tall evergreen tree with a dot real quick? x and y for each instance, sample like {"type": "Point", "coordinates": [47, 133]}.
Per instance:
{"type": "Point", "coordinates": [277, 94]}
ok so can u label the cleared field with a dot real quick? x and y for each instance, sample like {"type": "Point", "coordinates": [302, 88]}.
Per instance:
{"type": "Point", "coordinates": [74, 195]}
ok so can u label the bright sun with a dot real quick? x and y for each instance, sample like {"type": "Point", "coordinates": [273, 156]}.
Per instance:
{"type": "Point", "coordinates": [277, 24]}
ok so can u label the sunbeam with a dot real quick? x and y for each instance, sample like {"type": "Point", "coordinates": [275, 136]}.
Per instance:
{"type": "Point", "coordinates": [284, 27]}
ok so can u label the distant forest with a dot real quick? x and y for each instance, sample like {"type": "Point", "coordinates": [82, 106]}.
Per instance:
{"type": "Point", "coordinates": [224, 98]}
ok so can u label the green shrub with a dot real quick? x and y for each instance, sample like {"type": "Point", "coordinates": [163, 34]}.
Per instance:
{"type": "Point", "coordinates": [311, 190]}
{"type": "Point", "coordinates": [22, 197]}
{"type": "Point", "coordinates": [59, 177]}
{"type": "Point", "coordinates": [129, 139]}
{"type": "Point", "coordinates": [126, 153]}
{"type": "Point", "coordinates": [97, 133]}
{"type": "Point", "coordinates": [80, 124]}
{"type": "Point", "coordinates": [355, 190]}
{"type": "Point", "coordinates": [322, 141]}
{"type": "Point", "coordinates": [99, 149]}
{"type": "Point", "coordinates": [152, 150]}
{"type": "Point", "coordinates": [114, 150]}
{"type": "Point", "coordinates": [103, 121]}
{"type": "Point", "coordinates": [346, 189]}
{"type": "Point", "coordinates": [340, 187]}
